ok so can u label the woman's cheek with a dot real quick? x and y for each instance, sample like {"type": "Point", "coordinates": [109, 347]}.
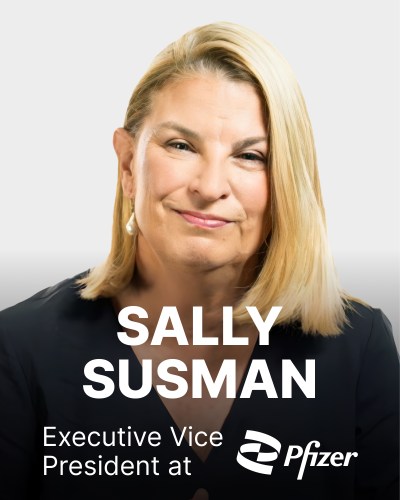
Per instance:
{"type": "Point", "coordinates": [251, 189]}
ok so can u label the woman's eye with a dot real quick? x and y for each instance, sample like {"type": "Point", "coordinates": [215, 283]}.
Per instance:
{"type": "Point", "coordinates": [181, 146]}
{"type": "Point", "coordinates": [251, 157]}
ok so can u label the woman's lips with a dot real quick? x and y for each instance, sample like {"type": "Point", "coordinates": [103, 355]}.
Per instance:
{"type": "Point", "coordinates": [203, 220]}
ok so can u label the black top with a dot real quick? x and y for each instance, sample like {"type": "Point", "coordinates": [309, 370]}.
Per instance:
{"type": "Point", "coordinates": [46, 341]}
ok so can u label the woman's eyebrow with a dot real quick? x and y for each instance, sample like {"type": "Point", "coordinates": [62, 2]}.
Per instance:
{"type": "Point", "coordinates": [178, 128]}
{"type": "Point", "coordinates": [250, 141]}
{"type": "Point", "coordinates": [171, 125]}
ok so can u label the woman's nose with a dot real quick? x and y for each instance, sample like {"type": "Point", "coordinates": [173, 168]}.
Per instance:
{"type": "Point", "coordinates": [211, 180]}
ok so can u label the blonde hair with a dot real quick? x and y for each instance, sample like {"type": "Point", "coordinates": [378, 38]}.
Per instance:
{"type": "Point", "coordinates": [297, 270]}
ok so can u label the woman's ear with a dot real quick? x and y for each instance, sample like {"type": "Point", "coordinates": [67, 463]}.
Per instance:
{"type": "Point", "coordinates": [124, 148]}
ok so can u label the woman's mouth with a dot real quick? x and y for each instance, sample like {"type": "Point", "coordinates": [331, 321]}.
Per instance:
{"type": "Point", "coordinates": [202, 219]}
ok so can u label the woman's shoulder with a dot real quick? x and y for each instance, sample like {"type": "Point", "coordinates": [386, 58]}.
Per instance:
{"type": "Point", "coordinates": [367, 341]}
{"type": "Point", "coordinates": [44, 299]}
{"type": "Point", "coordinates": [366, 330]}
{"type": "Point", "coordinates": [45, 311]}
{"type": "Point", "coordinates": [364, 322]}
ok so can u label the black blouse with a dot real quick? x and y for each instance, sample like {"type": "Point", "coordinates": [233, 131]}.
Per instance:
{"type": "Point", "coordinates": [46, 341]}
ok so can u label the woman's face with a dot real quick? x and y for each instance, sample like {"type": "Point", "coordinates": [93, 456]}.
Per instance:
{"type": "Point", "coordinates": [199, 175]}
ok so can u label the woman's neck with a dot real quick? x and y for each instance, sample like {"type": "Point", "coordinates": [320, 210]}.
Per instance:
{"type": "Point", "coordinates": [157, 286]}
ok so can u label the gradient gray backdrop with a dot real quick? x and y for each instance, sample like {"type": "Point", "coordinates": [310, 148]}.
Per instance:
{"type": "Point", "coordinates": [67, 71]}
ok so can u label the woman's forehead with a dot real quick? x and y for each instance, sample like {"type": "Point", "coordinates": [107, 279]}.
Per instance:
{"type": "Point", "coordinates": [200, 105]}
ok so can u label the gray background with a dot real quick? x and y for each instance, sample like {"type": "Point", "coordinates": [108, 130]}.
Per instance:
{"type": "Point", "coordinates": [67, 72]}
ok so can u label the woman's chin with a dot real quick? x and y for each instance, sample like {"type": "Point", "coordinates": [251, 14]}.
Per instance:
{"type": "Point", "coordinates": [200, 262]}
{"type": "Point", "coordinates": [202, 259]}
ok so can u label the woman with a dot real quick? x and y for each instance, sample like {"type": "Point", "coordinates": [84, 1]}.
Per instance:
{"type": "Point", "coordinates": [219, 240]}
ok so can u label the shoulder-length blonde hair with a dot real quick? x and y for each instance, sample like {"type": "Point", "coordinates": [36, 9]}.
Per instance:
{"type": "Point", "coordinates": [297, 270]}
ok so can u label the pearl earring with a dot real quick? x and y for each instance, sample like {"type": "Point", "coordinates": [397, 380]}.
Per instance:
{"type": "Point", "coordinates": [130, 225]}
